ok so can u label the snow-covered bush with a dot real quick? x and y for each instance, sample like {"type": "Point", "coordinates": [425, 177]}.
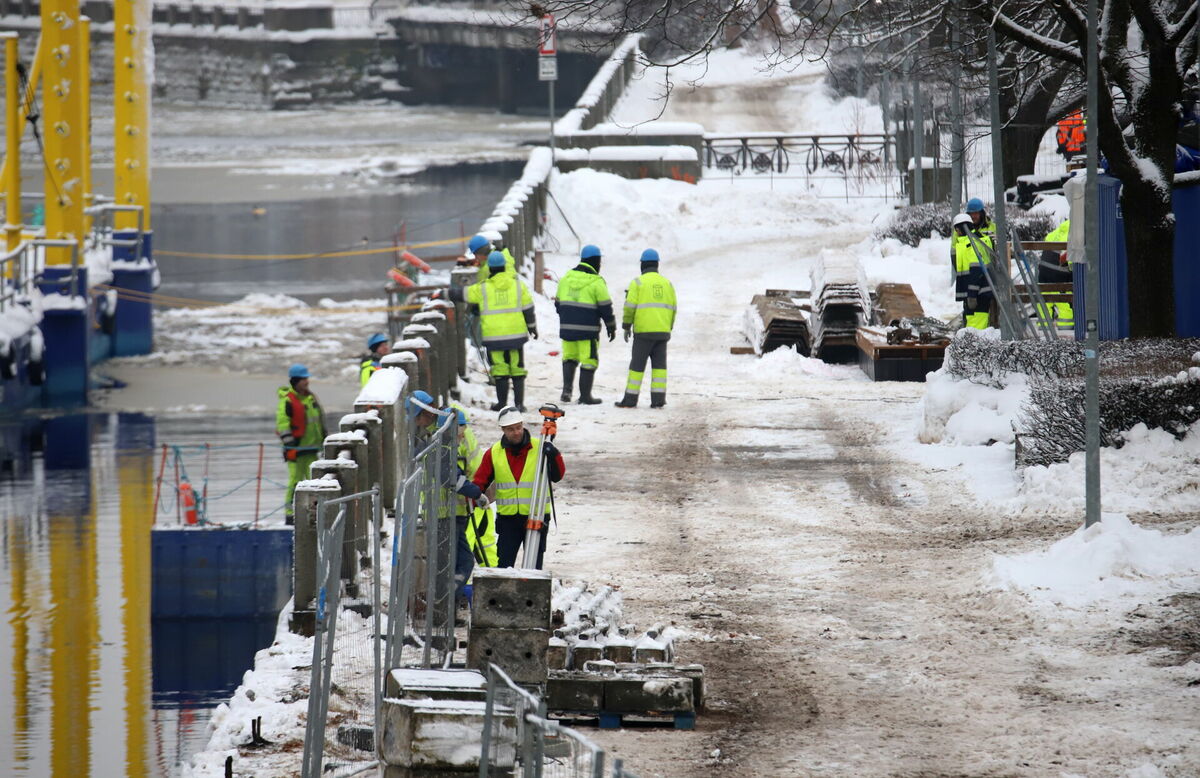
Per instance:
{"type": "Point", "coordinates": [912, 224]}
{"type": "Point", "coordinates": [981, 357]}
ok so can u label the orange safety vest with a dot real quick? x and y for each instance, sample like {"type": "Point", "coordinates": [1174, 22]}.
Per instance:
{"type": "Point", "coordinates": [298, 418]}
{"type": "Point", "coordinates": [1071, 133]}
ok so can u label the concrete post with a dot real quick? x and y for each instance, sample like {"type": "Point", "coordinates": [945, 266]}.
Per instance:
{"type": "Point", "coordinates": [310, 495]}
{"type": "Point", "coordinates": [346, 473]}
{"type": "Point", "coordinates": [394, 439]}
{"type": "Point", "coordinates": [432, 372]}
{"type": "Point", "coordinates": [462, 277]}
{"type": "Point", "coordinates": [371, 427]}
{"type": "Point", "coordinates": [443, 345]}
{"type": "Point", "coordinates": [355, 444]}
{"type": "Point", "coordinates": [539, 270]}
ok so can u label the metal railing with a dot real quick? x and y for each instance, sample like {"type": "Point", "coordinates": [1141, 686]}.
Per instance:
{"type": "Point", "coordinates": [23, 267]}
{"type": "Point", "coordinates": [104, 226]}
{"type": "Point", "coordinates": [862, 157]}
{"type": "Point", "coordinates": [538, 747]}
{"type": "Point", "coordinates": [331, 546]}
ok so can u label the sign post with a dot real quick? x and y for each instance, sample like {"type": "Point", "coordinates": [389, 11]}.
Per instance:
{"type": "Point", "coordinates": [548, 65]}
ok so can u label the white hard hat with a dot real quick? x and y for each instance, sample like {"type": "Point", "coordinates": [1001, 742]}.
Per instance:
{"type": "Point", "coordinates": [962, 218]}
{"type": "Point", "coordinates": [510, 415]}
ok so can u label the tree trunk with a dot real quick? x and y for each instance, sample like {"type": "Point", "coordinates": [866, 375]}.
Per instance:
{"type": "Point", "coordinates": [1150, 254]}
{"type": "Point", "coordinates": [1021, 143]}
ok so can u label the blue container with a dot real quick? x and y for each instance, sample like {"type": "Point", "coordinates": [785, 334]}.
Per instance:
{"type": "Point", "coordinates": [134, 327]}
{"type": "Point", "coordinates": [1187, 260]}
{"type": "Point", "coordinates": [215, 572]}
{"type": "Point", "coordinates": [67, 332]}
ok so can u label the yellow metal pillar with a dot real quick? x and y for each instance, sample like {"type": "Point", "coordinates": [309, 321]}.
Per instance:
{"type": "Point", "coordinates": [12, 146]}
{"type": "Point", "coordinates": [132, 64]}
{"type": "Point", "coordinates": [35, 72]}
{"type": "Point", "coordinates": [85, 104]}
{"type": "Point", "coordinates": [63, 123]}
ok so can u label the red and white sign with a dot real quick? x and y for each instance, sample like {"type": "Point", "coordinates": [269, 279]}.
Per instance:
{"type": "Point", "coordinates": [548, 36]}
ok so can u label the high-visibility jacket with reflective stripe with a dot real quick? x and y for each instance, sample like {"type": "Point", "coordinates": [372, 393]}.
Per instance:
{"type": "Point", "coordinates": [510, 266]}
{"type": "Point", "coordinates": [366, 370]}
{"type": "Point", "coordinates": [964, 250]}
{"type": "Point", "coordinates": [502, 301]}
{"type": "Point", "coordinates": [650, 304]}
{"type": "Point", "coordinates": [515, 496]}
{"type": "Point", "coordinates": [582, 302]}
{"type": "Point", "coordinates": [1060, 233]}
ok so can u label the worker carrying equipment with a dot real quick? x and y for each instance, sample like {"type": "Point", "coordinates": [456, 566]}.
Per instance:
{"type": "Point", "coordinates": [650, 308]}
{"type": "Point", "coordinates": [300, 424]}
{"type": "Point", "coordinates": [972, 238]}
{"type": "Point", "coordinates": [506, 322]}
{"type": "Point", "coordinates": [583, 303]}
{"type": "Point", "coordinates": [517, 463]}
{"type": "Point", "coordinates": [378, 347]}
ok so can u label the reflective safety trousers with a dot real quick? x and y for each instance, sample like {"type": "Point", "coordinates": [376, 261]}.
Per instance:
{"type": "Point", "coordinates": [514, 497]}
{"type": "Point", "coordinates": [650, 304]}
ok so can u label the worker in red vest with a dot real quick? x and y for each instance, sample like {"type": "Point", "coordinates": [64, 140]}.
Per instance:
{"type": "Point", "coordinates": [300, 423]}
{"type": "Point", "coordinates": [1072, 131]}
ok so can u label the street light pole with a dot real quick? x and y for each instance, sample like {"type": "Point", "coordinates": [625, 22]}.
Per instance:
{"type": "Point", "coordinates": [1091, 349]}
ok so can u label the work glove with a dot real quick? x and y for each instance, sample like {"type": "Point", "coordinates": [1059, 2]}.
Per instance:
{"type": "Point", "coordinates": [627, 334]}
{"type": "Point", "coordinates": [481, 501]}
{"type": "Point", "coordinates": [289, 440]}
{"type": "Point", "coordinates": [533, 333]}
{"type": "Point", "coordinates": [551, 451]}
{"type": "Point", "coordinates": [612, 332]}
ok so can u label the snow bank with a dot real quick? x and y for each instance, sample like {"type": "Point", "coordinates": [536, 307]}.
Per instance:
{"type": "Point", "coordinates": [926, 268]}
{"type": "Point", "coordinates": [962, 413]}
{"type": "Point", "coordinates": [1109, 561]}
{"type": "Point", "coordinates": [1152, 470]}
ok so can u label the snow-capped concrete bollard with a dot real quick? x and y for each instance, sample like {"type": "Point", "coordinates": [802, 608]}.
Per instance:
{"type": "Point", "coordinates": [408, 683]}
{"type": "Point", "coordinates": [419, 374]}
{"type": "Point", "coordinates": [371, 428]}
{"type": "Point", "coordinates": [384, 395]}
{"type": "Point", "coordinates": [433, 377]}
{"type": "Point", "coordinates": [585, 649]}
{"type": "Point", "coordinates": [557, 652]}
{"type": "Point", "coordinates": [340, 445]}
{"type": "Point", "coordinates": [443, 735]}
{"type": "Point", "coordinates": [346, 473]}
{"type": "Point", "coordinates": [444, 345]}
{"type": "Point", "coordinates": [308, 498]}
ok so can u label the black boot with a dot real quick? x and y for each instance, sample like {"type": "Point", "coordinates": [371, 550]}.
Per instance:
{"type": "Point", "coordinates": [519, 392]}
{"type": "Point", "coordinates": [658, 399]}
{"type": "Point", "coordinates": [628, 401]}
{"type": "Point", "coordinates": [569, 366]}
{"type": "Point", "coordinates": [501, 393]}
{"type": "Point", "coordinates": [586, 377]}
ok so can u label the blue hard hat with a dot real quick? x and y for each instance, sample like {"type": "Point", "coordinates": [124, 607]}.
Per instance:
{"type": "Point", "coordinates": [649, 255]}
{"type": "Point", "coordinates": [418, 401]}
{"type": "Point", "coordinates": [462, 417]}
{"type": "Point", "coordinates": [476, 243]}
{"type": "Point", "coordinates": [496, 259]}
{"type": "Point", "coordinates": [376, 339]}
{"type": "Point", "coordinates": [298, 371]}
{"type": "Point", "coordinates": [589, 252]}
{"type": "Point", "coordinates": [974, 205]}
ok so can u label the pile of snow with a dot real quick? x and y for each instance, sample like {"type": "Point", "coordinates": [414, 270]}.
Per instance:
{"type": "Point", "coordinates": [962, 413]}
{"type": "Point", "coordinates": [1109, 561]}
{"type": "Point", "coordinates": [1151, 470]}
{"type": "Point", "coordinates": [925, 268]}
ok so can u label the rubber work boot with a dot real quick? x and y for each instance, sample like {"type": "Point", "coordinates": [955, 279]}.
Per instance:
{"type": "Point", "coordinates": [586, 377]}
{"type": "Point", "coordinates": [628, 401]}
{"type": "Point", "coordinates": [658, 399]}
{"type": "Point", "coordinates": [569, 379]}
{"type": "Point", "coordinates": [519, 392]}
{"type": "Point", "coordinates": [501, 393]}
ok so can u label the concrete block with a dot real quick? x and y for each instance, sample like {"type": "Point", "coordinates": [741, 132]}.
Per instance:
{"type": "Point", "coordinates": [696, 673]}
{"type": "Point", "coordinates": [582, 654]}
{"type": "Point", "coordinates": [648, 694]}
{"type": "Point", "coordinates": [511, 598]}
{"type": "Point", "coordinates": [618, 651]}
{"type": "Point", "coordinates": [570, 690]}
{"type": "Point", "coordinates": [418, 684]}
{"type": "Point", "coordinates": [556, 654]}
{"type": "Point", "coordinates": [521, 653]}
{"type": "Point", "coordinates": [600, 666]}
{"type": "Point", "coordinates": [443, 734]}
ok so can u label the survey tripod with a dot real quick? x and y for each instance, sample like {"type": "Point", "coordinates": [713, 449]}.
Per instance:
{"type": "Point", "coordinates": [541, 487]}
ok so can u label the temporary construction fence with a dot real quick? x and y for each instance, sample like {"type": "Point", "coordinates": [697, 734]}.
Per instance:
{"type": "Point", "coordinates": [188, 485]}
{"type": "Point", "coordinates": [543, 748]}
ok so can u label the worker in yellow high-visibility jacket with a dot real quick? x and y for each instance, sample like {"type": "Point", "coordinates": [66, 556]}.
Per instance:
{"type": "Point", "coordinates": [650, 308]}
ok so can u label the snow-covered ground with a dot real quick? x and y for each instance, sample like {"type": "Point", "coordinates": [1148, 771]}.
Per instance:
{"type": "Point", "coordinates": [865, 603]}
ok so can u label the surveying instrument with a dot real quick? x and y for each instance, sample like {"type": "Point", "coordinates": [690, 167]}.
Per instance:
{"type": "Point", "coordinates": [551, 413]}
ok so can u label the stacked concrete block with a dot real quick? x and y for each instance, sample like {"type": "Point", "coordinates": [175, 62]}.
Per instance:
{"type": "Point", "coordinates": [510, 622]}
{"type": "Point", "coordinates": [421, 684]}
{"type": "Point", "coordinates": [575, 691]}
{"type": "Point", "coordinates": [648, 694]}
{"type": "Point", "coordinates": [443, 735]}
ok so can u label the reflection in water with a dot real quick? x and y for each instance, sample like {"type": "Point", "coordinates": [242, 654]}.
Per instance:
{"type": "Point", "coordinates": [89, 685]}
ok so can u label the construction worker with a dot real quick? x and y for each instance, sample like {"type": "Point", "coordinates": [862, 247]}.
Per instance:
{"type": "Point", "coordinates": [1071, 135]}
{"type": "Point", "coordinates": [378, 347]}
{"type": "Point", "coordinates": [971, 285]}
{"type": "Point", "coordinates": [480, 247]}
{"type": "Point", "coordinates": [480, 527]}
{"type": "Point", "coordinates": [1054, 268]}
{"type": "Point", "coordinates": [650, 315]}
{"type": "Point", "coordinates": [300, 424]}
{"type": "Point", "coordinates": [426, 419]}
{"type": "Point", "coordinates": [582, 303]}
{"type": "Point", "coordinates": [511, 464]}
{"type": "Point", "coordinates": [506, 323]}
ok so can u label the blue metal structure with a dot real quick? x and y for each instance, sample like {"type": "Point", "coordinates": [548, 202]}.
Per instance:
{"type": "Point", "coordinates": [218, 572]}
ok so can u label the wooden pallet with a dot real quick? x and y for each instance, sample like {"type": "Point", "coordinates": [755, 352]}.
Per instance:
{"type": "Point", "coordinates": [611, 720]}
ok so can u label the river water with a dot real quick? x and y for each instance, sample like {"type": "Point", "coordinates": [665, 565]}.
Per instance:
{"type": "Point", "coordinates": [90, 682]}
